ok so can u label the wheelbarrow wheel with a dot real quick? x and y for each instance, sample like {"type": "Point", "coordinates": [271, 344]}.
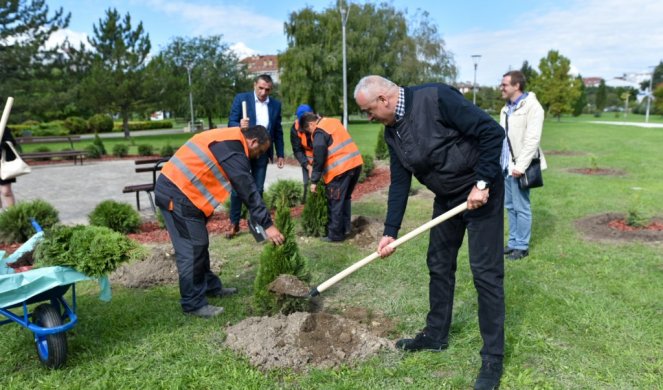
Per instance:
{"type": "Point", "coordinates": [52, 349]}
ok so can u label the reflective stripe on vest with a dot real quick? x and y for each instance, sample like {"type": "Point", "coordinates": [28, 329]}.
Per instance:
{"type": "Point", "coordinates": [343, 154]}
{"type": "Point", "coordinates": [195, 171]}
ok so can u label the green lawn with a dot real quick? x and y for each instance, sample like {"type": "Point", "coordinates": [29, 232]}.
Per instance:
{"type": "Point", "coordinates": [580, 314]}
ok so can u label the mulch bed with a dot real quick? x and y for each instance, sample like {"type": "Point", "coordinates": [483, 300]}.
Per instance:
{"type": "Point", "coordinates": [613, 227]}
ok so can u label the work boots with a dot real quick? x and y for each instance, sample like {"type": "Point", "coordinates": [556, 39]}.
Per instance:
{"type": "Point", "coordinates": [232, 231]}
{"type": "Point", "coordinates": [421, 342]}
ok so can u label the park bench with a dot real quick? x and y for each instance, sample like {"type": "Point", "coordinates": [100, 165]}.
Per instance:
{"type": "Point", "coordinates": [146, 165]}
{"type": "Point", "coordinates": [70, 154]}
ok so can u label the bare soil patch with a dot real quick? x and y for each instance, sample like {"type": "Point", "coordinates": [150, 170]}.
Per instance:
{"type": "Point", "coordinates": [564, 153]}
{"type": "Point", "coordinates": [303, 340]}
{"type": "Point", "coordinates": [598, 171]}
{"type": "Point", "coordinates": [612, 227]}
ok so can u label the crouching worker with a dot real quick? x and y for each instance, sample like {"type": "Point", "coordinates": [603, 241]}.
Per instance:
{"type": "Point", "coordinates": [336, 160]}
{"type": "Point", "coordinates": [197, 179]}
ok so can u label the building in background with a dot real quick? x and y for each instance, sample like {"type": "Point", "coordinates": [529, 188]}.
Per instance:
{"type": "Point", "coordinates": [263, 64]}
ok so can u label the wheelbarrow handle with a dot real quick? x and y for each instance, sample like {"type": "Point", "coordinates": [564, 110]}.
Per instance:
{"type": "Point", "coordinates": [425, 227]}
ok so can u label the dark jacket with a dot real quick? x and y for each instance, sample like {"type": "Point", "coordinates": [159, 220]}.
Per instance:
{"type": "Point", "coordinates": [297, 147]}
{"type": "Point", "coordinates": [445, 141]}
{"type": "Point", "coordinates": [274, 129]}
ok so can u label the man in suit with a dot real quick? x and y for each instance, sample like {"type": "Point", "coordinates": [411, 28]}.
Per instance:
{"type": "Point", "coordinates": [260, 110]}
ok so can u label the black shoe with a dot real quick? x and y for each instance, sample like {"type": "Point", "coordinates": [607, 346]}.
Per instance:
{"type": "Point", "coordinates": [489, 376]}
{"type": "Point", "coordinates": [421, 342]}
{"type": "Point", "coordinates": [207, 311]}
{"type": "Point", "coordinates": [508, 250]}
{"type": "Point", "coordinates": [517, 254]}
{"type": "Point", "coordinates": [327, 239]}
{"type": "Point", "coordinates": [224, 292]}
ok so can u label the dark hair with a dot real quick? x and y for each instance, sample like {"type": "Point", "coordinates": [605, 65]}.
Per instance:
{"type": "Point", "coordinates": [264, 77]}
{"type": "Point", "coordinates": [258, 132]}
{"type": "Point", "coordinates": [307, 118]}
{"type": "Point", "coordinates": [517, 77]}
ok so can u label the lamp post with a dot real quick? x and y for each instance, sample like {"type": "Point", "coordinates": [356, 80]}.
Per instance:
{"type": "Point", "coordinates": [475, 59]}
{"type": "Point", "coordinates": [188, 71]}
{"type": "Point", "coordinates": [649, 95]}
{"type": "Point", "coordinates": [344, 20]}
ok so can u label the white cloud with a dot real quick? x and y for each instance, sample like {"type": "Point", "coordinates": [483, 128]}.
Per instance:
{"type": "Point", "coordinates": [603, 38]}
{"type": "Point", "coordinates": [242, 50]}
{"type": "Point", "coordinates": [59, 36]}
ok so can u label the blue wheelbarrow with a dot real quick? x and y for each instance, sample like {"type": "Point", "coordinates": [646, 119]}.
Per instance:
{"type": "Point", "coordinates": [54, 316]}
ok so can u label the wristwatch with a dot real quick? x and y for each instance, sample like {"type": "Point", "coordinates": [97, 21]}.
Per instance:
{"type": "Point", "coordinates": [482, 185]}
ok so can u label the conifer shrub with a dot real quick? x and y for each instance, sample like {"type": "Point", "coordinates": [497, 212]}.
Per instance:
{"type": "Point", "coordinates": [120, 150]}
{"type": "Point", "coordinates": [101, 123]}
{"type": "Point", "coordinates": [314, 216]}
{"type": "Point", "coordinates": [145, 150]}
{"type": "Point", "coordinates": [92, 151]}
{"type": "Point", "coordinates": [99, 144]}
{"type": "Point", "coordinates": [381, 150]}
{"type": "Point", "coordinates": [15, 221]}
{"type": "Point", "coordinates": [277, 260]}
{"type": "Point", "coordinates": [167, 150]}
{"type": "Point", "coordinates": [92, 250]}
{"type": "Point", "coordinates": [120, 217]}
{"type": "Point", "coordinates": [367, 169]}
{"type": "Point", "coordinates": [291, 190]}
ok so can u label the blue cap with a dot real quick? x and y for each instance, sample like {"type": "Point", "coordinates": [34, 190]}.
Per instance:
{"type": "Point", "coordinates": [303, 109]}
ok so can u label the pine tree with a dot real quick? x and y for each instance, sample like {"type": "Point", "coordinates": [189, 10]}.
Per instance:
{"type": "Point", "coordinates": [278, 260]}
{"type": "Point", "coordinates": [314, 216]}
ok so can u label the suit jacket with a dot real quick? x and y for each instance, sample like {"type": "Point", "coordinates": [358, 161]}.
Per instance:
{"type": "Point", "coordinates": [274, 129]}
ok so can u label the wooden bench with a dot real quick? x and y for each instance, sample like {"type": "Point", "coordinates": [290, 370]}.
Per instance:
{"type": "Point", "coordinates": [73, 153]}
{"type": "Point", "coordinates": [146, 165]}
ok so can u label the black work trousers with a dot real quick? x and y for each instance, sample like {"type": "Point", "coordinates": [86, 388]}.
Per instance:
{"type": "Point", "coordinates": [485, 227]}
{"type": "Point", "coordinates": [339, 205]}
{"type": "Point", "coordinates": [186, 226]}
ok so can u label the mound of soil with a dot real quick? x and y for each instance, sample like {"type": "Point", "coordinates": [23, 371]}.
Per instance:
{"type": "Point", "coordinates": [366, 232]}
{"type": "Point", "coordinates": [612, 227]}
{"type": "Point", "coordinates": [598, 171]}
{"type": "Point", "coordinates": [302, 340]}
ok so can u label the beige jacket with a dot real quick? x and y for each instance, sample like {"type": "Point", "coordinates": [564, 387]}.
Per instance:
{"type": "Point", "coordinates": [525, 128]}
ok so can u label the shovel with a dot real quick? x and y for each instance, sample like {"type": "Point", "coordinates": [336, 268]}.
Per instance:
{"type": "Point", "coordinates": [428, 225]}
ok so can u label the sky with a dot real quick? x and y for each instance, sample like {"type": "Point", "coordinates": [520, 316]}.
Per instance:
{"type": "Point", "coordinates": [602, 38]}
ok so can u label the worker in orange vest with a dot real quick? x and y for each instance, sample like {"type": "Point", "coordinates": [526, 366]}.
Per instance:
{"type": "Point", "coordinates": [302, 146]}
{"type": "Point", "coordinates": [337, 161]}
{"type": "Point", "coordinates": [198, 178]}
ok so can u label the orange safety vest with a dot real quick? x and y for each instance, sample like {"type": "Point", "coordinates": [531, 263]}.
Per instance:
{"type": "Point", "coordinates": [197, 173]}
{"type": "Point", "coordinates": [308, 150]}
{"type": "Point", "coordinates": [343, 154]}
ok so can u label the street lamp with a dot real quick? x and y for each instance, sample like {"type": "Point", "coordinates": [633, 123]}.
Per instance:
{"type": "Point", "coordinates": [188, 71]}
{"type": "Point", "coordinates": [475, 59]}
{"type": "Point", "coordinates": [345, 12]}
{"type": "Point", "coordinates": [649, 94]}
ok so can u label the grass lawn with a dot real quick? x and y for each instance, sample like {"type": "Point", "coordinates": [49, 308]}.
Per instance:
{"type": "Point", "coordinates": [580, 314]}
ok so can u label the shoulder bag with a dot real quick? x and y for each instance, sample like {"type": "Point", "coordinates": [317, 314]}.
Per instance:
{"type": "Point", "coordinates": [13, 168]}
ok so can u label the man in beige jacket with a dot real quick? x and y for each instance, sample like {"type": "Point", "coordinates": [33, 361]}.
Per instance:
{"type": "Point", "coordinates": [522, 118]}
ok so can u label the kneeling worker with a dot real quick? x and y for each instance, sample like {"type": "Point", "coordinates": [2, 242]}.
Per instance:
{"type": "Point", "coordinates": [197, 179]}
{"type": "Point", "coordinates": [336, 159]}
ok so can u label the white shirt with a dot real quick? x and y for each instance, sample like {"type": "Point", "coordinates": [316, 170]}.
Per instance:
{"type": "Point", "coordinates": [262, 112]}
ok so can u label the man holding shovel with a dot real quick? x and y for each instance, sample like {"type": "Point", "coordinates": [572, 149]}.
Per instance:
{"type": "Point", "coordinates": [198, 178]}
{"type": "Point", "coordinates": [453, 148]}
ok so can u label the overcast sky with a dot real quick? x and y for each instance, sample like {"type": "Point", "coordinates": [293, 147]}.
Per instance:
{"type": "Point", "coordinates": [602, 38]}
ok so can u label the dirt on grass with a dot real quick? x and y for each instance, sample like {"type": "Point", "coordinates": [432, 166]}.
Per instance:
{"type": "Point", "coordinates": [598, 171]}
{"type": "Point", "coordinates": [300, 341]}
{"type": "Point", "coordinates": [613, 227]}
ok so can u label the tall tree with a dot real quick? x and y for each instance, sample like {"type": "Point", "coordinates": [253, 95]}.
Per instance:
{"type": "Point", "coordinates": [581, 102]}
{"type": "Point", "coordinates": [117, 65]}
{"type": "Point", "coordinates": [379, 40]}
{"type": "Point", "coordinates": [25, 27]}
{"type": "Point", "coordinates": [529, 72]}
{"type": "Point", "coordinates": [657, 79]}
{"type": "Point", "coordinates": [601, 97]}
{"type": "Point", "coordinates": [556, 89]}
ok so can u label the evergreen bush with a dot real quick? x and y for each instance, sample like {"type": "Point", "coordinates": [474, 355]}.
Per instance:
{"type": "Point", "coordinates": [99, 144]}
{"type": "Point", "coordinates": [120, 217]}
{"type": "Point", "coordinates": [167, 150]}
{"type": "Point", "coordinates": [290, 190]}
{"type": "Point", "coordinates": [92, 151]}
{"type": "Point", "coordinates": [76, 125]}
{"type": "Point", "coordinates": [381, 150]}
{"type": "Point", "coordinates": [120, 150]}
{"type": "Point", "coordinates": [145, 150]}
{"type": "Point", "coordinates": [367, 169]}
{"type": "Point", "coordinates": [92, 250]}
{"type": "Point", "coordinates": [15, 221]}
{"type": "Point", "coordinates": [101, 123]}
{"type": "Point", "coordinates": [314, 215]}
{"type": "Point", "coordinates": [277, 260]}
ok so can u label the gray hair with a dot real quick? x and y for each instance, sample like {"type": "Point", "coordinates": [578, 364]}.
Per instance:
{"type": "Point", "coordinates": [372, 85]}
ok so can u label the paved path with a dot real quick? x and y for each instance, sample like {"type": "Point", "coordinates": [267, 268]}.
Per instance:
{"type": "Point", "coordinates": [638, 124]}
{"type": "Point", "coordinates": [75, 190]}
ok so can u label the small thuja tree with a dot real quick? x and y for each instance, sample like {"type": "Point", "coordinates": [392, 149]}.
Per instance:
{"type": "Point", "coordinates": [314, 216]}
{"type": "Point", "coordinates": [381, 150]}
{"type": "Point", "coordinates": [277, 260]}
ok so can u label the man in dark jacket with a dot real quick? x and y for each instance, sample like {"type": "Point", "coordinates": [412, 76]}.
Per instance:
{"type": "Point", "coordinates": [453, 148]}
{"type": "Point", "coordinates": [302, 146]}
